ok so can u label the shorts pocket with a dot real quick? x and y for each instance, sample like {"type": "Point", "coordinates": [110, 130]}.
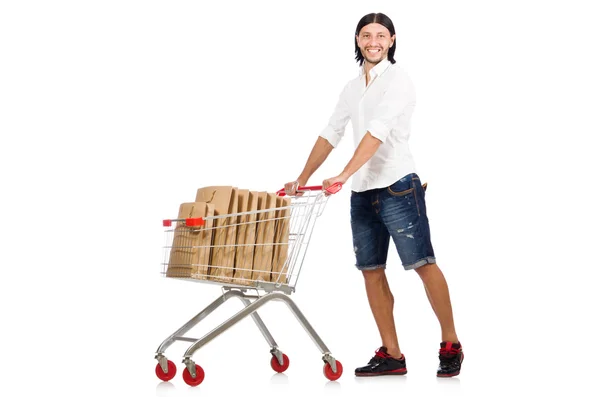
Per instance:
{"type": "Point", "coordinates": [400, 193]}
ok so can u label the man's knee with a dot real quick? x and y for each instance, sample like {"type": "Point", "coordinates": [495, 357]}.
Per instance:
{"type": "Point", "coordinates": [426, 270]}
{"type": "Point", "coordinates": [374, 275]}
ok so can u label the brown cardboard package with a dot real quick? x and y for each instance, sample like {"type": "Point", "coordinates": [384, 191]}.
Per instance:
{"type": "Point", "coordinates": [281, 240]}
{"type": "Point", "coordinates": [224, 199]}
{"type": "Point", "coordinates": [243, 197]}
{"type": "Point", "coordinates": [190, 252]}
{"type": "Point", "coordinates": [245, 262]}
{"type": "Point", "coordinates": [265, 232]}
{"type": "Point", "coordinates": [259, 226]}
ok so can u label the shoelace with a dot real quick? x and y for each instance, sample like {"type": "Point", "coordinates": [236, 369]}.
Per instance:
{"type": "Point", "coordinates": [379, 357]}
{"type": "Point", "coordinates": [448, 355]}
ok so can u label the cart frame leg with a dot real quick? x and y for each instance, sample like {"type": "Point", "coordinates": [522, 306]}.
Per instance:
{"type": "Point", "coordinates": [178, 335]}
{"type": "Point", "coordinates": [250, 309]}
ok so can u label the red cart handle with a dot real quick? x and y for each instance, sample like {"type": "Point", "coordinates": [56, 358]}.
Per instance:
{"type": "Point", "coordinates": [333, 189]}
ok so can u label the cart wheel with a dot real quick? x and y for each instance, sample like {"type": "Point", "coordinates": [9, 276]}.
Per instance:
{"type": "Point", "coordinates": [328, 371]}
{"type": "Point", "coordinates": [171, 371]}
{"type": "Point", "coordinates": [187, 377]}
{"type": "Point", "coordinates": [280, 368]}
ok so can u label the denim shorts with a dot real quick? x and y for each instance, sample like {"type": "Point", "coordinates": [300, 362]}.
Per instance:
{"type": "Point", "coordinates": [397, 211]}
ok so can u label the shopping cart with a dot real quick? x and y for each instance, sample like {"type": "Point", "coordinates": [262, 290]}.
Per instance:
{"type": "Point", "coordinates": [262, 265]}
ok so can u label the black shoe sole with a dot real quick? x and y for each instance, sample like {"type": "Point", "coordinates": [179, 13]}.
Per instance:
{"type": "Point", "coordinates": [381, 373]}
{"type": "Point", "coordinates": [448, 375]}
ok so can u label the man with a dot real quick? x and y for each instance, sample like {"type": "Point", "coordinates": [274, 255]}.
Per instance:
{"type": "Point", "coordinates": [387, 199]}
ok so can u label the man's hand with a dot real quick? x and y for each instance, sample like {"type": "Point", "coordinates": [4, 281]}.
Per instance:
{"type": "Point", "coordinates": [342, 178]}
{"type": "Point", "coordinates": [291, 188]}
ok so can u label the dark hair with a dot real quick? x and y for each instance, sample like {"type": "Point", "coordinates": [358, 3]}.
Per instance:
{"type": "Point", "coordinates": [381, 19]}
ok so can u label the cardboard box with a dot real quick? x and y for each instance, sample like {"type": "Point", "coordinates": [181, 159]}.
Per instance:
{"type": "Point", "coordinates": [261, 201]}
{"type": "Point", "coordinates": [245, 262]}
{"type": "Point", "coordinates": [224, 199]}
{"type": "Point", "coordinates": [240, 240]}
{"type": "Point", "coordinates": [265, 232]}
{"type": "Point", "coordinates": [190, 252]}
{"type": "Point", "coordinates": [281, 240]}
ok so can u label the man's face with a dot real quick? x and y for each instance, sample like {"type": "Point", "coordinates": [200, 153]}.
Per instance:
{"type": "Point", "coordinates": [374, 41]}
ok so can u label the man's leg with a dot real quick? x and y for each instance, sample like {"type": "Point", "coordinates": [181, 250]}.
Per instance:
{"type": "Point", "coordinates": [381, 301]}
{"type": "Point", "coordinates": [388, 359]}
{"type": "Point", "coordinates": [437, 292]}
{"type": "Point", "coordinates": [371, 244]}
{"type": "Point", "coordinates": [404, 213]}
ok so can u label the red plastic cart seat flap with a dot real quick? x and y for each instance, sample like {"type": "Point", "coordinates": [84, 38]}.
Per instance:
{"type": "Point", "coordinates": [194, 222]}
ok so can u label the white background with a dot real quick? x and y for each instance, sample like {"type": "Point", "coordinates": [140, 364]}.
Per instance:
{"type": "Point", "coordinates": [113, 113]}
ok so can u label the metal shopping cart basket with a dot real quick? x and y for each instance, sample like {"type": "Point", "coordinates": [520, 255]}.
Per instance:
{"type": "Point", "coordinates": [255, 256]}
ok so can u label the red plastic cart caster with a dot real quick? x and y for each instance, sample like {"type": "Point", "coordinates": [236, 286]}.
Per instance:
{"type": "Point", "coordinates": [171, 371]}
{"type": "Point", "coordinates": [277, 367]}
{"type": "Point", "coordinates": [328, 371]}
{"type": "Point", "coordinates": [187, 377]}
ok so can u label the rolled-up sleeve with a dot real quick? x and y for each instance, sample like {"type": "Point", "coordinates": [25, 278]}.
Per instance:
{"type": "Point", "coordinates": [399, 96]}
{"type": "Point", "coordinates": [334, 132]}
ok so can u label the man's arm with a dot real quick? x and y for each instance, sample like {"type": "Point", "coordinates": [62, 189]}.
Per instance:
{"type": "Point", "coordinates": [326, 142]}
{"type": "Point", "coordinates": [318, 155]}
{"type": "Point", "coordinates": [365, 150]}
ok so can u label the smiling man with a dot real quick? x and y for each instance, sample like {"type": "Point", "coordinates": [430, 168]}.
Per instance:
{"type": "Point", "coordinates": [387, 199]}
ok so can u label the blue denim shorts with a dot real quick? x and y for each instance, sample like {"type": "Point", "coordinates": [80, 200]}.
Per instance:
{"type": "Point", "coordinates": [398, 211]}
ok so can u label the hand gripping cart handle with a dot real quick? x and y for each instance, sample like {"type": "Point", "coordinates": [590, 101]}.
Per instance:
{"type": "Point", "coordinates": [261, 251]}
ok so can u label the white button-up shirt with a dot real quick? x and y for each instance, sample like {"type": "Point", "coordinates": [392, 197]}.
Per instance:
{"type": "Point", "coordinates": [384, 109]}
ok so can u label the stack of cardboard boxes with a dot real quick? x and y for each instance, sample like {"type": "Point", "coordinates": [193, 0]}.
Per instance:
{"type": "Point", "coordinates": [237, 249]}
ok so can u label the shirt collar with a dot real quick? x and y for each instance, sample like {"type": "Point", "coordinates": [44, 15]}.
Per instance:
{"type": "Point", "coordinates": [378, 69]}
